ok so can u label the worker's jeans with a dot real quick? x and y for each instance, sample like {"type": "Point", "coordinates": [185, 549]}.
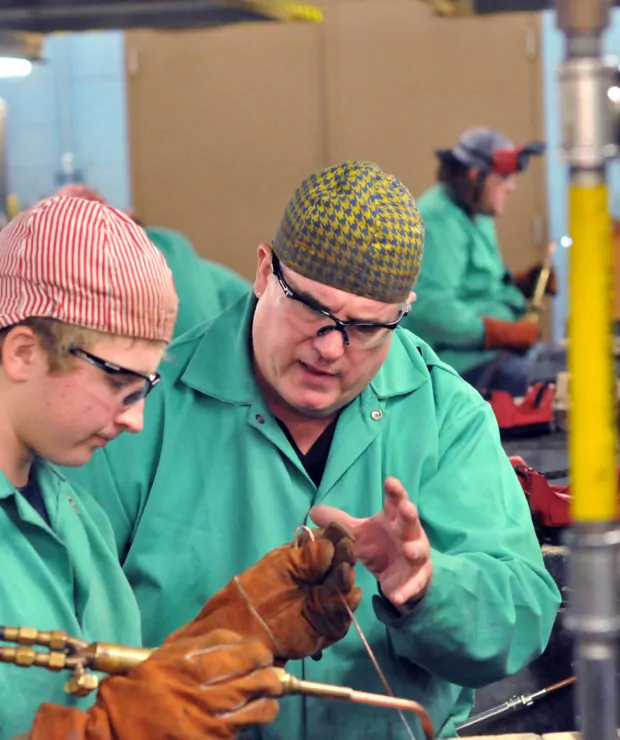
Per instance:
{"type": "Point", "coordinates": [506, 372]}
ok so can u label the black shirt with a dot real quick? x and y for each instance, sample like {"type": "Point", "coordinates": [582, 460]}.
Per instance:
{"type": "Point", "coordinates": [32, 493]}
{"type": "Point", "coordinates": [315, 460]}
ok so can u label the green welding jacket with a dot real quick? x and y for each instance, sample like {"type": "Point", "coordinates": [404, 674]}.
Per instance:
{"type": "Point", "coordinates": [462, 279]}
{"type": "Point", "coordinates": [212, 484]}
{"type": "Point", "coordinates": [204, 287]}
{"type": "Point", "coordinates": [60, 577]}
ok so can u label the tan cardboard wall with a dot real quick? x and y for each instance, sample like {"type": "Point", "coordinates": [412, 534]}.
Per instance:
{"type": "Point", "coordinates": [225, 123]}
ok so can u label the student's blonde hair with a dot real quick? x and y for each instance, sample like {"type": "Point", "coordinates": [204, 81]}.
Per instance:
{"type": "Point", "coordinates": [56, 338]}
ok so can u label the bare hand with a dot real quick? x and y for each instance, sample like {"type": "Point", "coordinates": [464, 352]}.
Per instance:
{"type": "Point", "coordinates": [392, 544]}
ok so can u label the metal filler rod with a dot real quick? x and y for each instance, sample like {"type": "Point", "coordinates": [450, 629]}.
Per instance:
{"type": "Point", "coordinates": [588, 144]}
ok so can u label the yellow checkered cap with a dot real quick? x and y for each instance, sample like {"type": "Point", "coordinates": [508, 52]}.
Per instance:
{"type": "Point", "coordinates": [354, 227]}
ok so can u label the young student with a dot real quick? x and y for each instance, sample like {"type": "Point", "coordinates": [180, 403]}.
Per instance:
{"type": "Point", "coordinates": [87, 308]}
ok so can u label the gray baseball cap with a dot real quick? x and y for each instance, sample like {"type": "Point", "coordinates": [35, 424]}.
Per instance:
{"type": "Point", "coordinates": [491, 151]}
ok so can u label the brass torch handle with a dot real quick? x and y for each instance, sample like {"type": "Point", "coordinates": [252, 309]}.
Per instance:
{"type": "Point", "coordinates": [113, 659]}
{"type": "Point", "coordinates": [536, 304]}
{"type": "Point", "coordinates": [116, 659]}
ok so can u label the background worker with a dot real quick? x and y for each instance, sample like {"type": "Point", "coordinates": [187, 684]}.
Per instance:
{"type": "Point", "coordinates": [87, 308]}
{"type": "Point", "coordinates": [314, 397]}
{"type": "Point", "coordinates": [470, 307]}
{"type": "Point", "coordinates": [204, 287]}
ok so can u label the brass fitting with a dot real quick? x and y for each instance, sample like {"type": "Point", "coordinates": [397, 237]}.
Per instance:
{"type": "Point", "coordinates": [81, 684]}
{"type": "Point", "coordinates": [113, 659]}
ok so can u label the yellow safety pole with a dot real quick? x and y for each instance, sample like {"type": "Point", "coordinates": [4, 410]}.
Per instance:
{"type": "Point", "coordinates": [594, 541]}
{"type": "Point", "coordinates": [592, 437]}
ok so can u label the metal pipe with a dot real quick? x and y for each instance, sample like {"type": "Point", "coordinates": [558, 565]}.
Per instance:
{"type": "Point", "coordinates": [594, 540]}
{"type": "Point", "coordinates": [593, 618]}
{"type": "Point", "coordinates": [292, 685]}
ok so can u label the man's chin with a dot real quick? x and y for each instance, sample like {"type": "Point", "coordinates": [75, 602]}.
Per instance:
{"type": "Point", "coordinates": [317, 409]}
{"type": "Point", "coordinates": [316, 413]}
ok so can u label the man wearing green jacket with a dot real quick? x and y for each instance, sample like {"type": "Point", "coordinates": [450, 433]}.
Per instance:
{"type": "Point", "coordinates": [308, 396]}
{"type": "Point", "coordinates": [470, 308]}
{"type": "Point", "coordinates": [204, 287]}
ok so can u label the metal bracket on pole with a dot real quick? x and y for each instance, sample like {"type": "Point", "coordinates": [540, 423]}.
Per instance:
{"type": "Point", "coordinates": [587, 114]}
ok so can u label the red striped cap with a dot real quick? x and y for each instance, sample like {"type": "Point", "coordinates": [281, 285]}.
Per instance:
{"type": "Point", "coordinates": [86, 264]}
{"type": "Point", "coordinates": [77, 190]}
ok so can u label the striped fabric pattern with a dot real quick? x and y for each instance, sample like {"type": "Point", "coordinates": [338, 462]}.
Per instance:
{"type": "Point", "coordinates": [78, 190]}
{"type": "Point", "coordinates": [86, 264]}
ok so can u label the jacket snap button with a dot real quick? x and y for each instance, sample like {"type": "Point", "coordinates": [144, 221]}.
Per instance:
{"type": "Point", "coordinates": [376, 414]}
{"type": "Point", "coordinates": [260, 419]}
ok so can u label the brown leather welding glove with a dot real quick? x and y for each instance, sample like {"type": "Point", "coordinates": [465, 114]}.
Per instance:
{"type": "Point", "coordinates": [518, 335]}
{"type": "Point", "coordinates": [526, 281]}
{"type": "Point", "coordinates": [207, 687]}
{"type": "Point", "coordinates": [291, 599]}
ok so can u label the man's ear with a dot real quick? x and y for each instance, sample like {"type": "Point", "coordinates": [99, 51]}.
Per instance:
{"type": "Point", "coordinates": [22, 354]}
{"type": "Point", "coordinates": [263, 268]}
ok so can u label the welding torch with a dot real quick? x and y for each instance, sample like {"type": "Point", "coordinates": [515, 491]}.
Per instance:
{"type": "Point", "coordinates": [513, 704]}
{"type": "Point", "coordinates": [535, 306]}
{"type": "Point", "coordinates": [70, 653]}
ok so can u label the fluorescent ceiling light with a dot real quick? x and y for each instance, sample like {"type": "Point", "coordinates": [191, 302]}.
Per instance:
{"type": "Point", "coordinates": [14, 67]}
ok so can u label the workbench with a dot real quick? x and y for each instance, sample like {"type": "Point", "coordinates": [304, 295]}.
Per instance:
{"type": "Point", "coordinates": [556, 712]}
{"type": "Point", "coordinates": [530, 736]}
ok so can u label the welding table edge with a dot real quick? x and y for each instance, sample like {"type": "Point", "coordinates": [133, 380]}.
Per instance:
{"type": "Point", "coordinates": [527, 736]}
